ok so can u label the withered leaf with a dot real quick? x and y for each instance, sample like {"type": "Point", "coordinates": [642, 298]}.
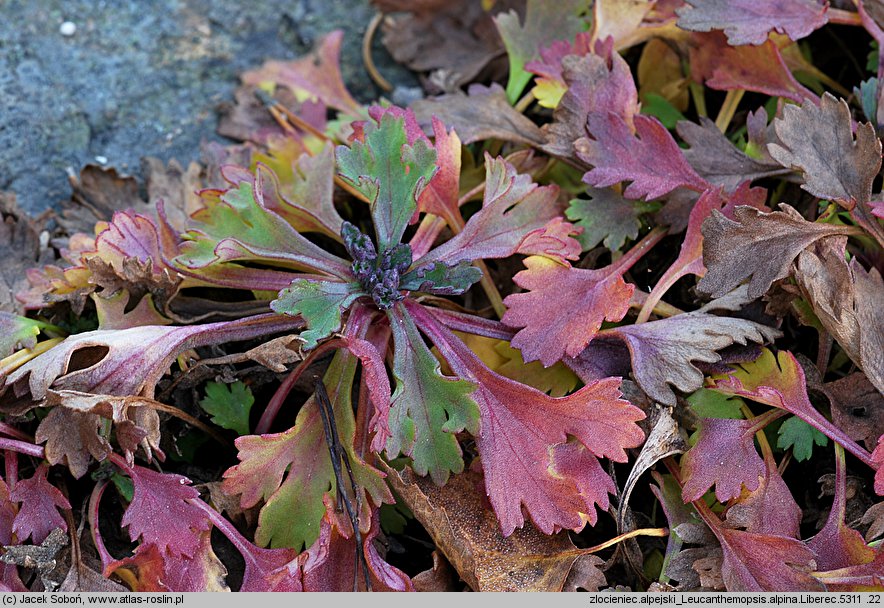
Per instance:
{"type": "Point", "coordinates": [484, 113]}
{"type": "Point", "coordinates": [176, 186]}
{"type": "Point", "coordinates": [717, 160]}
{"type": "Point", "coordinates": [467, 532]}
{"type": "Point", "coordinates": [750, 21]}
{"type": "Point", "coordinates": [97, 193]}
{"type": "Point", "coordinates": [19, 250]}
{"type": "Point", "coordinates": [72, 438]}
{"type": "Point", "coordinates": [847, 299]}
{"type": "Point", "coordinates": [818, 141]}
{"type": "Point", "coordinates": [771, 240]}
{"type": "Point", "coordinates": [857, 407]}
{"type": "Point", "coordinates": [441, 577]}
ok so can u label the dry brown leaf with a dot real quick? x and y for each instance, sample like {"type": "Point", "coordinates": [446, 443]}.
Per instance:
{"type": "Point", "coordinates": [709, 569]}
{"type": "Point", "coordinates": [857, 408]}
{"type": "Point", "coordinates": [483, 114]}
{"type": "Point", "coordinates": [847, 300]}
{"type": "Point", "coordinates": [467, 532]}
{"type": "Point", "coordinates": [97, 193]}
{"type": "Point", "coordinates": [770, 241]}
{"type": "Point", "coordinates": [441, 577]}
{"type": "Point", "coordinates": [19, 250]}
{"type": "Point", "coordinates": [176, 186]}
{"type": "Point", "coordinates": [874, 518]}
{"type": "Point", "coordinates": [586, 575]}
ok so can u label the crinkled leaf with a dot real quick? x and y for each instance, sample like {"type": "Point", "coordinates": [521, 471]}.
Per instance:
{"type": "Point", "coordinates": [19, 250]}
{"type": "Point", "coordinates": [441, 196]}
{"type": "Point", "coordinates": [719, 161]}
{"type": "Point", "coordinates": [468, 533]}
{"type": "Point", "coordinates": [606, 217]}
{"type": "Point", "coordinates": [38, 513]}
{"type": "Point", "coordinates": [773, 239]}
{"type": "Point", "coordinates": [650, 158]}
{"type": "Point", "coordinates": [796, 434]}
{"type": "Point", "coordinates": [753, 68]}
{"type": "Point", "coordinates": [857, 407]}
{"type": "Point", "coordinates": [427, 408]}
{"type": "Point", "coordinates": [513, 207]}
{"type": "Point", "coordinates": [818, 140]}
{"type": "Point", "coordinates": [72, 438]}
{"type": "Point", "coordinates": [239, 223]}
{"type": "Point", "coordinates": [595, 83]}
{"type": "Point", "coordinates": [319, 303]}
{"type": "Point", "coordinates": [750, 22]}
{"type": "Point", "coordinates": [130, 361]}
{"type": "Point", "coordinates": [441, 278]}
{"type": "Point", "coordinates": [318, 75]}
{"type": "Point", "coordinates": [549, 84]}
{"type": "Point", "coordinates": [292, 471]}
{"type": "Point", "coordinates": [544, 22]}
{"type": "Point", "coordinates": [725, 457]}
{"type": "Point", "coordinates": [483, 113]}
{"type": "Point", "coordinates": [846, 299]}
{"type": "Point", "coordinates": [229, 405]}
{"type": "Point", "coordinates": [591, 296]}
{"type": "Point", "coordinates": [17, 332]}
{"type": "Point", "coordinates": [556, 241]}
{"type": "Point", "coordinates": [390, 172]}
{"type": "Point", "coordinates": [523, 440]}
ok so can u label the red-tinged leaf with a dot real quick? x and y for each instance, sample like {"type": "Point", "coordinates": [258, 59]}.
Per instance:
{"type": "Point", "coordinates": [513, 208]}
{"type": "Point", "coordinates": [301, 188]}
{"type": "Point", "coordinates": [440, 197]}
{"type": "Point", "coordinates": [292, 471]}
{"type": "Point", "coordinates": [523, 434]}
{"type": "Point", "coordinates": [203, 572]}
{"type": "Point", "coordinates": [750, 22]}
{"type": "Point", "coordinates": [719, 161]}
{"type": "Point", "coordinates": [837, 546]}
{"type": "Point", "coordinates": [725, 457]}
{"type": "Point", "coordinates": [146, 569]}
{"type": "Point", "coordinates": [549, 82]}
{"type": "Point", "coordinates": [776, 238]}
{"type": "Point", "coordinates": [591, 296]}
{"type": "Point", "coordinates": [427, 409]}
{"type": "Point", "coordinates": [600, 82]}
{"type": "Point", "coordinates": [239, 223]}
{"type": "Point", "coordinates": [650, 158]}
{"type": "Point", "coordinates": [130, 361]}
{"type": "Point", "coordinates": [690, 256]}
{"type": "Point", "coordinates": [9, 580]}
{"type": "Point", "coordinates": [779, 381]}
{"type": "Point", "coordinates": [317, 75]}
{"type": "Point", "coordinates": [878, 459]}
{"type": "Point", "coordinates": [555, 241]}
{"type": "Point", "coordinates": [160, 512]}
{"type": "Point", "coordinates": [265, 569]}
{"type": "Point", "coordinates": [484, 113]}
{"type": "Point", "coordinates": [38, 513]}
{"type": "Point", "coordinates": [663, 351]}
{"type": "Point", "coordinates": [762, 562]}
{"type": "Point", "coordinates": [846, 299]}
{"type": "Point", "coordinates": [329, 564]}
{"type": "Point", "coordinates": [543, 23]}
{"type": "Point", "coordinates": [753, 68]}
{"type": "Point", "coordinates": [770, 509]}
{"type": "Point", "coordinates": [818, 140]}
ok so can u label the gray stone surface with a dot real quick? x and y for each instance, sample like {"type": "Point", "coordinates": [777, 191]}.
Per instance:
{"type": "Point", "coordinates": [144, 77]}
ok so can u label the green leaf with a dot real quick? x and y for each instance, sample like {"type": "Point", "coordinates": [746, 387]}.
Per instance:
{"type": "Point", "coordinates": [390, 172]}
{"type": "Point", "coordinates": [441, 278]}
{"type": "Point", "coordinates": [124, 486]}
{"type": "Point", "coordinates": [17, 332]}
{"type": "Point", "coordinates": [229, 405]}
{"type": "Point", "coordinates": [291, 472]}
{"type": "Point", "coordinates": [545, 22]}
{"type": "Point", "coordinates": [657, 105]}
{"type": "Point", "coordinates": [427, 408]}
{"type": "Point", "coordinates": [320, 304]}
{"type": "Point", "coordinates": [800, 436]}
{"type": "Point", "coordinates": [606, 217]}
{"type": "Point", "coordinates": [712, 404]}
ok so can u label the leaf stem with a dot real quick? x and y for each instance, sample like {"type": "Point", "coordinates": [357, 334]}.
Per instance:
{"type": "Point", "coordinates": [728, 108]}
{"type": "Point", "coordinates": [842, 17]}
{"type": "Point", "coordinates": [22, 447]}
{"type": "Point", "coordinates": [370, 67]}
{"type": "Point", "coordinates": [656, 532]}
{"type": "Point", "coordinates": [640, 249]}
{"type": "Point", "coordinates": [526, 101]}
{"type": "Point", "coordinates": [699, 98]}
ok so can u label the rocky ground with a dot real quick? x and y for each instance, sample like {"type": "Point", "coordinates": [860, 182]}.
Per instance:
{"type": "Point", "coordinates": [134, 78]}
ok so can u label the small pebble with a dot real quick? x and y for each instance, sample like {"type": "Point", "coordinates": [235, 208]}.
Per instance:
{"type": "Point", "coordinates": [101, 160]}
{"type": "Point", "coordinates": [68, 28]}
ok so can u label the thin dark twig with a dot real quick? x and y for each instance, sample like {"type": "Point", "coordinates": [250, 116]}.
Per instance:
{"type": "Point", "coordinates": [337, 453]}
